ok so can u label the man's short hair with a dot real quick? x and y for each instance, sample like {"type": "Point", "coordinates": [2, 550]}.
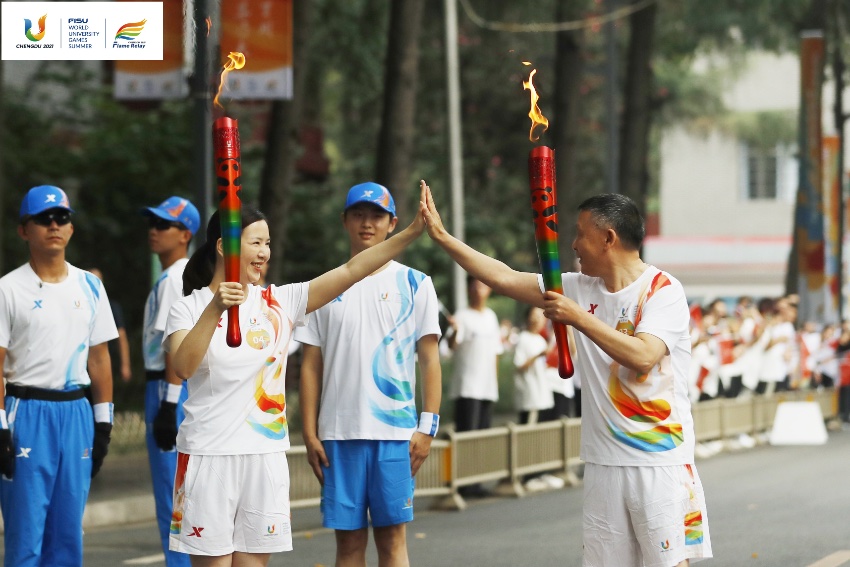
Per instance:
{"type": "Point", "coordinates": [617, 212]}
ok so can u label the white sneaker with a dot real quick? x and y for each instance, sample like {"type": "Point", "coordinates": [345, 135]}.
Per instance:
{"type": "Point", "coordinates": [536, 484]}
{"type": "Point", "coordinates": [553, 481]}
{"type": "Point", "coordinates": [746, 441]}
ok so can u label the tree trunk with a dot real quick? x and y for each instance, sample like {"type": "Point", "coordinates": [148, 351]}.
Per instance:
{"type": "Point", "coordinates": [569, 67]}
{"type": "Point", "coordinates": [281, 148]}
{"type": "Point", "coordinates": [395, 140]}
{"type": "Point", "coordinates": [637, 111]}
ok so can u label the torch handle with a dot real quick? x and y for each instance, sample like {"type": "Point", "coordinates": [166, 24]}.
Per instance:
{"type": "Point", "coordinates": [228, 168]}
{"type": "Point", "coordinates": [565, 362]}
{"type": "Point", "coordinates": [544, 207]}
{"type": "Point", "coordinates": [234, 334]}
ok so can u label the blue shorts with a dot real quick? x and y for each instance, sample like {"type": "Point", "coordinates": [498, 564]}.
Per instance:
{"type": "Point", "coordinates": [367, 475]}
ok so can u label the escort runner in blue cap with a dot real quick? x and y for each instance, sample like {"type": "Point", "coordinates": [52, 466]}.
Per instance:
{"type": "Point", "coordinates": [172, 225]}
{"type": "Point", "coordinates": [55, 322]}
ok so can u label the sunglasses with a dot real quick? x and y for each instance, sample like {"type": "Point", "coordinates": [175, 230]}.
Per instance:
{"type": "Point", "coordinates": [157, 223]}
{"type": "Point", "coordinates": [61, 218]}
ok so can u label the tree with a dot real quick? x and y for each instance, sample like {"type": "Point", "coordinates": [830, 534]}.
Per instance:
{"type": "Point", "coordinates": [569, 72]}
{"type": "Point", "coordinates": [281, 148]}
{"type": "Point", "coordinates": [637, 105]}
{"type": "Point", "coordinates": [395, 140]}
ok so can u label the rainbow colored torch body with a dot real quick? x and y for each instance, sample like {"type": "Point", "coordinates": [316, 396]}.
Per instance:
{"type": "Point", "coordinates": [544, 205]}
{"type": "Point", "coordinates": [228, 171]}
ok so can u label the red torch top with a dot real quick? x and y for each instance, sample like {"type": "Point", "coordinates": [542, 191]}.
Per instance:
{"type": "Point", "coordinates": [542, 152]}
{"type": "Point", "coordinates": [226, 138]}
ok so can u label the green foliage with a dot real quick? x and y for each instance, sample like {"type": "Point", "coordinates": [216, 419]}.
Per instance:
{"type": "Point", "coordinates": [112, 161]}
{"type": "Point", "coordinates": [764, 130]}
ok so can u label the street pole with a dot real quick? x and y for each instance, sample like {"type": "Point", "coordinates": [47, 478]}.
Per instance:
{"type": "Point", "coordinates": [201, 94]}
{"type": "Point", "coordinates": [455, 151]}
{"type": "Point", "coordinates": [612, 154]}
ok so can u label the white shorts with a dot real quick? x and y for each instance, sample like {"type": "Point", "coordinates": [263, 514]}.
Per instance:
{"type": "Point", "coordinates": [643, 516]}
{"type": "Point", "coordinates": [227, 503]}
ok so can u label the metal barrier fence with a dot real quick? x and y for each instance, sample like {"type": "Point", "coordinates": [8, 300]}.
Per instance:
{"type": "Point", "coordinates": [509, 452]}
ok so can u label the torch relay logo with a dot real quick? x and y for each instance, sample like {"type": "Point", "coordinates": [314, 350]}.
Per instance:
{"type": "Point", "coordinates": [28, 29]}
{"type": "Point", "coordinates": [130, 32]}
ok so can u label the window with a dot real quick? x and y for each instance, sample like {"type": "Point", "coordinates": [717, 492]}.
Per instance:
{"type": "Point", "coordinates": [768, 173]}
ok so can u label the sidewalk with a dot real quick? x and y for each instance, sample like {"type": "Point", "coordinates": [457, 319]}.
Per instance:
{"type": "Point", "coordinates": [121, 493]}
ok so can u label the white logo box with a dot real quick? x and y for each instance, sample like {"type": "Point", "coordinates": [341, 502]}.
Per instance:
{"type": "Point", "coordinates": [81, 31]}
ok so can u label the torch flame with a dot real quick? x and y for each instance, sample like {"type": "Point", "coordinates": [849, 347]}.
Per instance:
{"type": "Point", "coordinates": [537, 118]}
{"type": "Point", "coordinates": [236, 61]}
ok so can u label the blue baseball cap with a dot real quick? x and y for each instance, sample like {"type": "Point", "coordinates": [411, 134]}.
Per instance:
{"type": "Point", "coordinates": [373, 193]}
{"type": "Point", "coordinates": [43, 198]}
{"type": "Point", "coordinates": [177, 209]}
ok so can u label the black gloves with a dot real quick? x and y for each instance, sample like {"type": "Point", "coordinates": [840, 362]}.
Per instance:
{"type": "Point", "coordinates": [100, 446]}
{"type": "Point", "coordinates": [165, 426]}
{"type": "Point", "coordinates": [7, 454]}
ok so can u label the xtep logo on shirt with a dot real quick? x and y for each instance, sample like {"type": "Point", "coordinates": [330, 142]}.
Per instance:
{"type": "Point", "coordinates": [592, 309]}
{"type": "Point", "coordinates": [196, 531]}
{"type": "Point", "coordinates": [25, 452]}
{"type": "Point", "coordinates": [38, 304]}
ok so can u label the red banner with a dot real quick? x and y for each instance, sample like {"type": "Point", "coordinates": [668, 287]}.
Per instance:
{"type": "Point", "coordinates": [155, 80]}
{"type": "Point", "coordinates": [262, 31]}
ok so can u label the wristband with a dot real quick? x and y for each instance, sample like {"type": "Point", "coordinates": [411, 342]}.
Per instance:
{"type": "Point", "coordinates": [3, 423]}
{"type": "Point", "coordinates": [429, 423]}
{"type": "Point", "coordinates": [103, 412]}
{"type": "Point", "coordinates": [172, 393]}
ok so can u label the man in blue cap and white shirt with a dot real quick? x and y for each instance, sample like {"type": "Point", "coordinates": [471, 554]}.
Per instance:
{"type": "Point", "coordinates": [171, 227]}
{"type": "Point", "coordinates": [358, 386]}
{"type": "Point", "coordinates": [55, 322]}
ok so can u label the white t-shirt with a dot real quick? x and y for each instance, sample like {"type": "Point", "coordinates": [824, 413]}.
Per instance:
{"type": "Point", "coordinates": [167, 289]}
{"type": "Point", "coordinates": [237, 403]}
{"type": "Point", "coordinates": [47, 328]}
{"type": "Point", "coordinates": [368, 338]}
{"type": "Point", "coordinates": [531, 387]}
{"type": "Point", "coordinates": [776, 362]}
{"type": "Point", "coordinates": [477, 346]}
{"type": "Point", "coordinates": [630, 420]}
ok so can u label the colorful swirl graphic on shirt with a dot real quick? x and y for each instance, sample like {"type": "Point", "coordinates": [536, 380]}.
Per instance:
{"type": "Point", "coordinates": [693, 518]}
{"type": "Point", "coordinates": [392, 361]}
{"type": "Point", "coordinates": [662, 437]}
{"type": "Point", "coordinates": [268, 416]}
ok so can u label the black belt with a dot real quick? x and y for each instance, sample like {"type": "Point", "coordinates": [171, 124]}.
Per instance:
{"type": "Point", "coordinates": [30, 393]}
{"type": "Point", "coordinates": [151, 375]}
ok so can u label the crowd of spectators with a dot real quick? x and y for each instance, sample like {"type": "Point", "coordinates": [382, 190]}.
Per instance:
{"type": "Point", "coordinates": [756, 347]}
{"type": "Point", "coordinates": [759, 348]}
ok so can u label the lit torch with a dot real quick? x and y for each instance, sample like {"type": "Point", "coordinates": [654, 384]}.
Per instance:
{"type": "Point", "coordinates": [228, 170]}
{"type": "Point", "coordinates": [544, 206]}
